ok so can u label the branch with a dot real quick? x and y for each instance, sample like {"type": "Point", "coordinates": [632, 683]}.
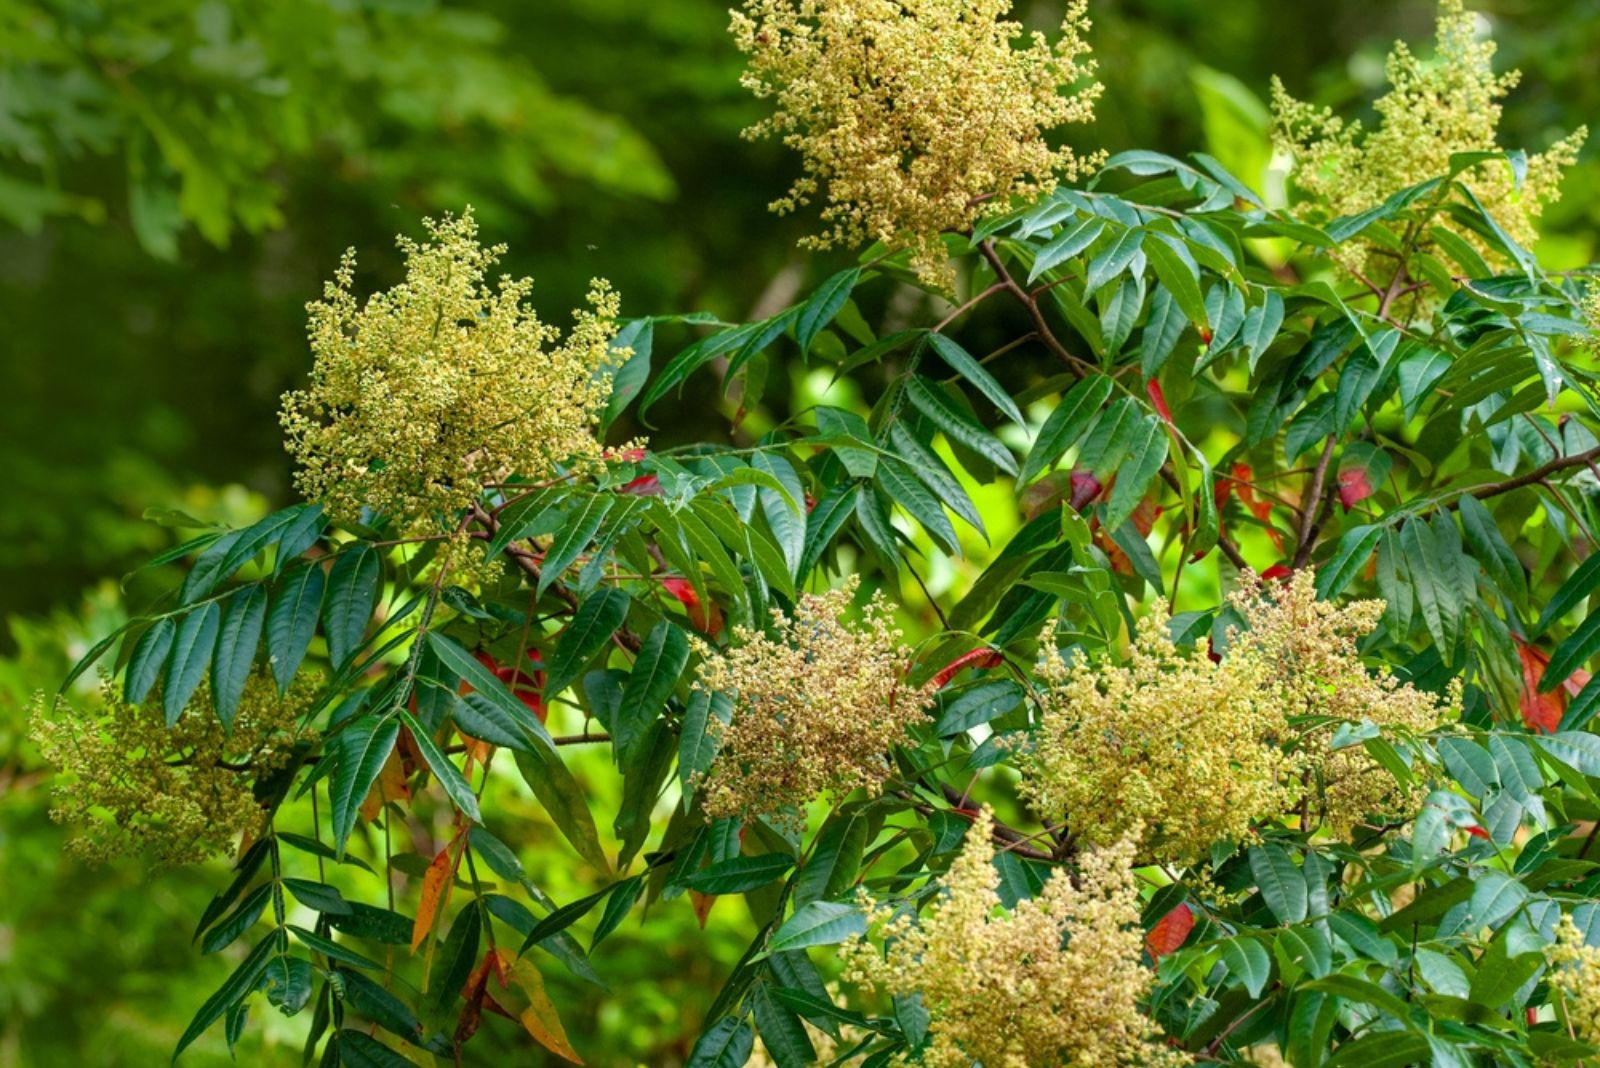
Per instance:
{"type": "Point", "coordinates": [1027, 300]}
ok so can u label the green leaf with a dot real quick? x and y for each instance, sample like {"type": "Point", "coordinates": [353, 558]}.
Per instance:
{"type": "Point", "coordinates": [903, 487]}
{"type": "Point", "coordinates": [819, 923]}
{"type": "Point", "coordinates": [1162, 329]}
{"type": "Point", "coordinates": [1355, 988]}
{"type": "Point", "coordinates": [149, 657]}
{"type": "Point", "coordinates": [1280, 882]}
{"type": "Point", "coordinates": [738, 875]}
{"type": "Point", "coordinates": [1438, 587]}
{"type": "Point", "coordinates": [564, 799]}
{"type": "Point", "coordinates": [957, 424]}
{"type": "Point", "coordinates": [1113, 260]}
{"type": "Point", "coordinates": [292, 622]}
{"type": "Point", "coordinates": [455, 957]}
{"type": "Point", "coordinates": [656, 671]}
{"type": "Point", "coordinates": [450, 778]}
{"type": "Point", "coordinates": [1147, 451]}
{"type": "Point", "coordinates": [697, 740]}
{"type": "Point", "coordinates": [1469, 764]}
{"type": "Point", "coordinates": [592, 626]}
{"type": "Point", "coordinates": [963, 364]}
{"type": "Point", "coordinates": [359, 752]}
{"type": "Point", "coordinates": [1247, 961]}
{"type": "Point", "coordinates": [318, 896]}
{"type": "Point", "coordinates": [1580, 749]}
{"type": "Point", "coordinates": [233, 990]}
{"type": "Point", "coordinates": [357, 1049]}
{"type": "Point", "coordinates": [1306, 948]}
{"type": "Point", "coordinates": [784, 514]}
{"type": "Point", "coordinates": [236, 649]}
{"type": "Point", "coordinates": [824, 304]}
{"type": "Point", "coordinates": [933, 473]}
{"type": "Point", "coordinates": [835, 858]}
{"type": "Point", "coordinates": [1489, 548]}
{"type": "Point", "coordinates": [237, 922]}
{"type": "Point", "coordinates": [573, 537]}
{"type": "Point", "coordinates": [352, 595]}
{"type": "Point", "coordinates": [782, 1033]}
{"type": "Point", "coordinates": [1572, 654]}
{"type": "Point", "coordinates": [1498, 977]}
{"type": "Point", "coordinates": [1179, 273]}
{"type": "Point", "coordinates": [1067, 244]}
{"type": "Point", "coordinates": [1065, 425]}
{"type": "Point", "coordinates": [191, 655]}
{"type": "Point", "coordinates": [617, 908]}
{"type": "Point", "coordinates": [1355, 549]}
{"type": "Point", "coordinates": [367, 998]}
{"type": "Point", "coordinates": [1576, 589]}
{"type": "Point", "coordinates": [486, 685]}
{"type": "Point", "coordinates": [333, 950]}
{"type": "Point", "coordinates": [727, 1044]}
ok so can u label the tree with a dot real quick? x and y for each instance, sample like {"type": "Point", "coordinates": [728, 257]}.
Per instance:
{"type": "Point", "coordinates": [1149, 741]}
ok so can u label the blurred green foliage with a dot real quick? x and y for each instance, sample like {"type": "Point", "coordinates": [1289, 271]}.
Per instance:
{"type": "Point", "coordinates": [177, 178]}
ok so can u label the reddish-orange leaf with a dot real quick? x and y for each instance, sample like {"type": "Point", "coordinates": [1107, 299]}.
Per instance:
{"type": "Point", "coordinates": [1354, 487]}
{"type": "Point", "coordinates": [702, 905]}
{"type": "Point", "coordinates": [1085, 488]}
{"type": "Point", "coordinates": [537, 1012]}
{"type": "Point", "coordinates": [1542, 711]}
{"type": "Point", "coordinates": [982, 658]}
{"type": "Point", "coordinates": [1170, 932]}
{"type": "Point", "coordinates": [1158, 398]}
{"type": "Point", "coordinates": [706, 621]}
{"type": "Point", "coordinates": [391, 786]}
{"type": "Point", "coordinates": [436, 884]}
{"type": "Point", "coordinates": [643, 486]}
{"type": "Point", "coordinates": [1477, 832]}
{"type": "Point", "coordinates": [1277, 571]}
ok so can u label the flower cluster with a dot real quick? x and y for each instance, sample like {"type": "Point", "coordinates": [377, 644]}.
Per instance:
{"type": "Point", "coordinates": [1306, 653]}
{"type": "Point", "coordinates": [430, 390]}
{"type": "Point", "coordinates": [1575, 975]}
{"type": "Point", "coordinates": [816, 706]}
{"type": "Point", "coordinates": [179, 794]}
{"type": "Point", "coordinates": [1056, 980]}
{"type": "Point", "coordinates": [1195, 751]}
{"type": "Point", "coordinates": [1172, 742]}
{"type": "Point", "coordinates": [915, 119]}
{"type": "Point", "coordinates": [1431, 112]}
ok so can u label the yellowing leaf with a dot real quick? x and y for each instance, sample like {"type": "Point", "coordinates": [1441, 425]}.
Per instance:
{"type": "Point", "coordinates": [539, 1015]}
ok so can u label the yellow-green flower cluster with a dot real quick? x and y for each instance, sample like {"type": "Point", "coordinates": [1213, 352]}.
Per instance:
{"type": "Point", "coordinates": [178, 795]}
{"type": "Point", "coordinates": [817, 706]}
{"type": "Point", "coordinates": [1196, 751]}
{"type": "Point", "coordinates": [1306, 650]}
{"type": "Point", "coordinates": [430, 390]}
{"type": "Point", "coordinates": [1575, 975]}
{"type": "Point", "coordinates": [915, 119]}
{"type": "Point", "coordinates": [1172, 743]}
{"type": "Point", "coordinates": [1056, 980]}
{"type": "Point", "coordinates": [1431, 112]}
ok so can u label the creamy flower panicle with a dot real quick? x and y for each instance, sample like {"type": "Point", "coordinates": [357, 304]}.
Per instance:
{"type": "Point", "coordinates": [913, 119]}
{"type": "Point", "coordinates": [1196, 751]}
{"type": "Point", "coordinates": [1575, 976]}
{"type": "Point", "coordinates": [1431, 112]}
{"type": "Point", "coordinates": [816, 706]}
{"type": "Point", "coordinates": [1056, 980]}
{"type": "Point", "coordinates": [1307, 652]}
{"type": "Point", "coordinates": [1171, 742]}
{"type": "Point", "coordinates": [178, 795]}
{"type": "Point", "coordinates": [428, 391]}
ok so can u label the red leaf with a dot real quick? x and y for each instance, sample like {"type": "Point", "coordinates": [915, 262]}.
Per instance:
{"type": "Point", "coordinates": [1085, 488]}
{"type": "Point", "coordinates": [529, 688]}
{"type": "Point", "coordinates": [700, 618]}
{"type": "Point", "coordinates": [1542, 711]}
{"type": "Point", "coordinates": [1170, 933]}
{"type": "Point", "coordinates": [1354, 487]}
{"type": "Point", "coordinates": [1277, 571]}
{"type": "Point", "coordinates": [643, 486]}
{"type": "Point", "coordinates": [1477, 832]}
{"type": "Point", "coordinates": [982, 658]}
{"type": "Point", "coordinates": [1159, 399]}
{"type": "Point", "coordinates": [1205, 333]}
